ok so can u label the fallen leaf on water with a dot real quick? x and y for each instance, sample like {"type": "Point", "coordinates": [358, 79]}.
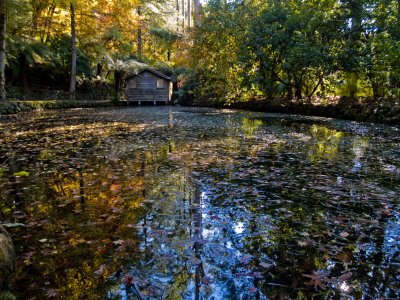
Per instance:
{"type": "Point", "coordinates": [345, 276]}
{"type": "Point", "coordinates": [51, 293]}
{"type": "Point", "coordinates": [318, 279]}
{"type": "Point", "coordinates": [195, 261]}
{"type": "Point", "coordinates": [265, 265]}
{"type": "Point", "coordinates": [100, 270]}
{"type": "Point", "coordinates": [246, 259]}
{"type": "Point", "coordinates": [252, 289]}
{"type": "Point", "coordinates": [10, 225]}
{"type": "Point", "coordinates": [302, 243]}
{"type": "Point", "coordinates": [206, 280]}
{"type": "Point", "coordinates": [21, 174]}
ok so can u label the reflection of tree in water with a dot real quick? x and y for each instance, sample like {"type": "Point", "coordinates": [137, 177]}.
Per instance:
{"type": "Point", "coordinates": [251, 211]}
{"type": "Point", "coordinates": [171, 236]}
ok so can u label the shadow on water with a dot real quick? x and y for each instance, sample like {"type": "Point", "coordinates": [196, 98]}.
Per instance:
{"type": "Point", "coordinates": [172, 203]}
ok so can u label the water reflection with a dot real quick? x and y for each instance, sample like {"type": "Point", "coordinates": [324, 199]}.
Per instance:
{"type": "Point", "coordinates": [200, 204]}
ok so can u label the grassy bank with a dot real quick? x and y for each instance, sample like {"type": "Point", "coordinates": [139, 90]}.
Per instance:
{"type": "Point", "coordinates": [13, 107]}
{"type": "Point", "coordinates": [363, 110]}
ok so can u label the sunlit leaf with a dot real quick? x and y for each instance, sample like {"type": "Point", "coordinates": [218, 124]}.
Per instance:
{"type": "Point", "coordinates": [21, 174]}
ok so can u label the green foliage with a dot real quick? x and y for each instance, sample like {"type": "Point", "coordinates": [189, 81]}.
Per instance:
{"type": "Point", "coordinates": [21, 174]}
{"type": "Point", "coordinates": [60, 46]}
{"type": "Point", "coordinates": [6, 295]}
{"type": "Point", "coordinates": [296, 49]}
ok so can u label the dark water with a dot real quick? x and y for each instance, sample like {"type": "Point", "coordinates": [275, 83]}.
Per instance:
{"type": "Point", "coordinates": [181, 203]}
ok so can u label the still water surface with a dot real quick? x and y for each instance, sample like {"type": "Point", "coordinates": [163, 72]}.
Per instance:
{"type": "Point", "coordinates": [184, 203]}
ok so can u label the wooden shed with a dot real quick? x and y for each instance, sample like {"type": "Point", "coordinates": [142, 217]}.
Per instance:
{"type": "Point", "coordinates": [148, 86]}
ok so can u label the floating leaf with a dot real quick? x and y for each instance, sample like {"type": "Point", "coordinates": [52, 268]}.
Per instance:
{"type": "Point", "coordinates": [246, 259]}
{"type": "Point", "coordinates": [302, 243]}
{"type": "Point", "coordinates": [265, 265]}
{"type": "Point", "coordinates": [345, 276]}
{"type": "Point", "coordinates": [252, 289]}
{"type": "Point", "coordinates": [100, 270]}
{"type": "Point", "coordinates": [21, 174]}
{"type": "Point", "coordinates": [11, 225]}
{"type": "Point", "coordinates": [195, 261]}
{"type": "Point", "coordinates": [51, 293]}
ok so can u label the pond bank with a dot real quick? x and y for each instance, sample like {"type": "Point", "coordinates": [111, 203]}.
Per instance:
{"type": "Point", "coordinates": [366, 110]}
{"type": "Point", "coordinates": [13, 107]}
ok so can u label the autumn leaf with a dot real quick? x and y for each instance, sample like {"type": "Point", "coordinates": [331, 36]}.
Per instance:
{"type": "Point", "coordinates": [344, 234]}
{"type": "Point", "coordinates": [195, 261]}
{"type": "Point", "coordinates": [51, 293]}
{"type": "Point", "coordinates": [115, 187]}
{"type": "Point", "coordinates": [252, 289]}
{"type": "Point", "coordinates": [302, 243]}
{"type": "Point", "coordinates": [318, 279]}
{"type": "Point", "coordinates": [345, 276]}
{"type": "Point", "coordinates": [246, 259]}
{"type": "Point", "coordinates": [206, 280]}
{"type": "Point", "coordinates": [265, 265]}
{"type": "Point", "coordinates": [100, 270]}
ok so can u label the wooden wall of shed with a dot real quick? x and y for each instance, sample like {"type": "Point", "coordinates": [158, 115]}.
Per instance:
{"type": "Point", "coordinates": [146, 88]}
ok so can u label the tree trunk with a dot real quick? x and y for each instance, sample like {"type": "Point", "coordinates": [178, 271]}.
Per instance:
{"type": "Point", "coordinates": [99, 69]}
{"type": "Point", "coordinates": [47, 23]}
{"type": "Point", "coordinates": [352, 84]}
{"type": "Point", "coordinates": [117, 85]}
{"type": "Point", "coordinates": [2, 49]}
{"type": "Point", "coordinates": [189, 14]}
{"type": "Point", "coordinates": [177, 15]}
{"type": "Point", "coordinates": [183, 15]}
{"type": "Point", "coordinates": [298, 94]}
{"type": "Point", "coordinates": [139, 35]}
{"type": "Point", "coordinates": [197, 12]}
{"type": "Point", "coordinates": [72, 86]}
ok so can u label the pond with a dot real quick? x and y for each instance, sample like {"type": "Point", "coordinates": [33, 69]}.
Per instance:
{"type": "Point", "coordinates": [192, 203]}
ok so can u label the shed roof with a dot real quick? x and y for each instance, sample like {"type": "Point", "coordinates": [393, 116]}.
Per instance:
{"type": "Point", "coordinates": [159, 74]}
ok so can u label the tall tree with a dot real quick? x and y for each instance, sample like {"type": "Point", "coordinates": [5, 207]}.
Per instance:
{"type": "Point", "coordinates": [139, 33]}
{"type": "Point", "coordinates": [72, 86]}
{"type": "Point", "coordinates": [197, 11]}
{"type": "Point", "coordinates": [2, 48]}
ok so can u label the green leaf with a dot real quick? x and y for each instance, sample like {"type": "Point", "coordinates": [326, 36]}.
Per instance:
{"type": "Point", "coordinates": [22, 174]}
